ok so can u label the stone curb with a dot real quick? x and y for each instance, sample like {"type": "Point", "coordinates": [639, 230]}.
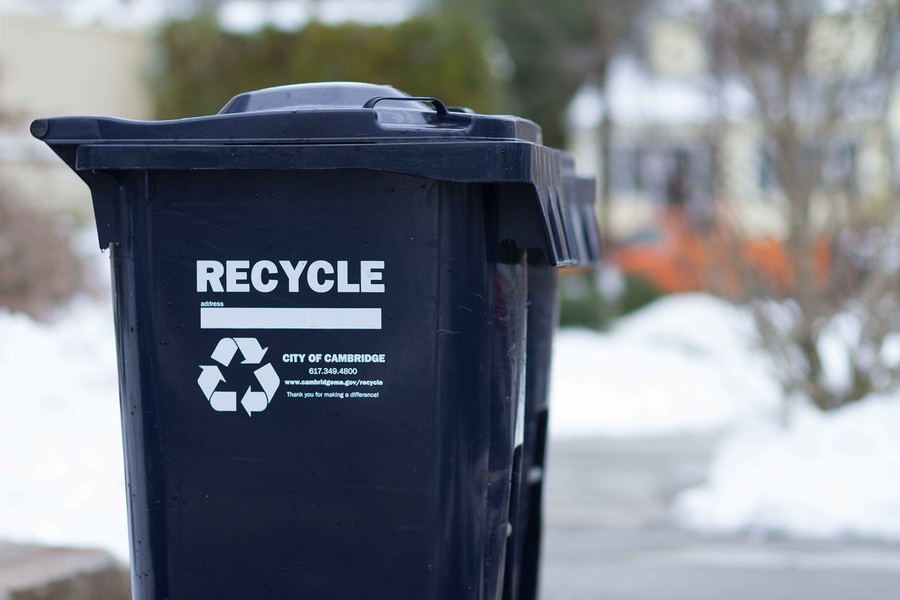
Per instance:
{"type": "Point", "coordinates": [42, 573]}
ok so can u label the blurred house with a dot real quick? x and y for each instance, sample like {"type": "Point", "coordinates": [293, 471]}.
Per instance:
{"type": "Point", "coordinates": [51, 68]}
{"type": "Point", "coordinates": [679, 139]}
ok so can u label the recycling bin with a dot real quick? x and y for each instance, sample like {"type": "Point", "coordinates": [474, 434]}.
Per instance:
{"type": "Point", "coordinates": [325, 298]}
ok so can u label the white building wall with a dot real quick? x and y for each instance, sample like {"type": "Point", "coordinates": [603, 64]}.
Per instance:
{"type": "Point", "coordinates": [47, 69]}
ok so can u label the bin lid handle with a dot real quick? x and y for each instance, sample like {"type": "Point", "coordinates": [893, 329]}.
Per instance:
{"type": "Point", "coordinates": [439, 107]}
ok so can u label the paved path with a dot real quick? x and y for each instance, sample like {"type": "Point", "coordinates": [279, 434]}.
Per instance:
{"type": "Point", "coordinates": [609, 537]}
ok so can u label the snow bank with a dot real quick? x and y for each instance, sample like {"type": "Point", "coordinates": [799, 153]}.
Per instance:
{"type": "Point", "coordinates": [684, 363]}
{"type": "Point", "coordinates": [62, 479]}
{"type": "Point", "coordinates": [834, 475]}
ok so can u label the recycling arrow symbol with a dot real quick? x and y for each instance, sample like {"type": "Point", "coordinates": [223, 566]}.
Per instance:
{"type": "Point", "coordinates": [253, 401]}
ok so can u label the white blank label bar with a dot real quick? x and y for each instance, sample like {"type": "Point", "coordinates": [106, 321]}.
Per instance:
{"type": "Point", "coordinates": [290, 318]}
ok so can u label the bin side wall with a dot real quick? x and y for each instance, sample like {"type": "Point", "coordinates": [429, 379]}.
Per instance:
{"type": "Point", "coordinates": [481, 353]}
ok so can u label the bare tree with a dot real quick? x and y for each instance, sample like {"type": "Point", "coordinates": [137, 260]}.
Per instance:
{"type": "Point", "coordinates": [818, 78]}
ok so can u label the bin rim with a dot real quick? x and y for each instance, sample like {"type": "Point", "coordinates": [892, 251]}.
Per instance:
{"type": "Point", "coordinates": [343, 125]}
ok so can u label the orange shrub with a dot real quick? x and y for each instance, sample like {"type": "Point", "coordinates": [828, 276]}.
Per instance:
{"type": "Point", "coordinates": [686, 261]}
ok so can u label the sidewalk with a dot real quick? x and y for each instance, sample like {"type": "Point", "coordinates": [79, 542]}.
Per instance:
{"type": "Point", "coordinates": [608, 536]}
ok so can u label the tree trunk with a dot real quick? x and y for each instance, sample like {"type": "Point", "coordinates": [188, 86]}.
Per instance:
{"type": "Point", "coordinates": [605, 145]}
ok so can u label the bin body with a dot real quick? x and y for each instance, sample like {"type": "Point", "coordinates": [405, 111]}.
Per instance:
{"type": "Point", "coordinates": [322, 359]}
{"type": "Point", "coordinates": [333, 495]}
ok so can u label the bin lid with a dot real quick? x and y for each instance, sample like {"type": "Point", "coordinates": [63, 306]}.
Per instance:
{"type": "Point", "coordinates": [346, 125]}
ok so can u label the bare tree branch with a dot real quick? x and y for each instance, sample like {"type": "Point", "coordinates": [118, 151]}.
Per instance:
{"type": "Point", "coordinates": [817, 77]}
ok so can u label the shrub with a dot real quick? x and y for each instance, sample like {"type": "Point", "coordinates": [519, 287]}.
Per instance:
{"type": "Point", "coordinates": [583, 304]}
{"type": "Point", "coordinates": [580, 302]}
{"type": "Point", "coordinates": [39, 269]}
{"type": "Point", "coordinates": [639, 292]}
{"type": "Point", "coordinates": [439, 54]}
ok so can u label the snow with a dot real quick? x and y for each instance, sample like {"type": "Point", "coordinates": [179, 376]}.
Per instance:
{"type": "Point", "coordinates": [834, 475]}
{"type": "Point", "coordinates": [683, 364]}
{"type": "Point", "coordinates": [687, 364]}
{"type": "Point", "coordinates": [638, 97]}
{"type": "Point", "coordinates": [62, 480]}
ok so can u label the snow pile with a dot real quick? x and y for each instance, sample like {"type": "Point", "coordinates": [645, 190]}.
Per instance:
{"type": "Point", "coordinates": [62, 479]}
{"type": "Point", "coordinates": [833, 475]}
{"type": "Point", "coordinates": [684, 363]}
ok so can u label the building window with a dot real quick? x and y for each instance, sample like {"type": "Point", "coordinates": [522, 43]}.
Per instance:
{"type": "Point", "coordinates": [768, 168]}
{"type": "Point", "coordinates": [624, 173]}
{"type": "Point", "coordinates": [838, 165]}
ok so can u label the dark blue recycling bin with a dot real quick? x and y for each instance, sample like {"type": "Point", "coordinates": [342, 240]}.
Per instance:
{"type": "Point", "coordinates": [325, 296]}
